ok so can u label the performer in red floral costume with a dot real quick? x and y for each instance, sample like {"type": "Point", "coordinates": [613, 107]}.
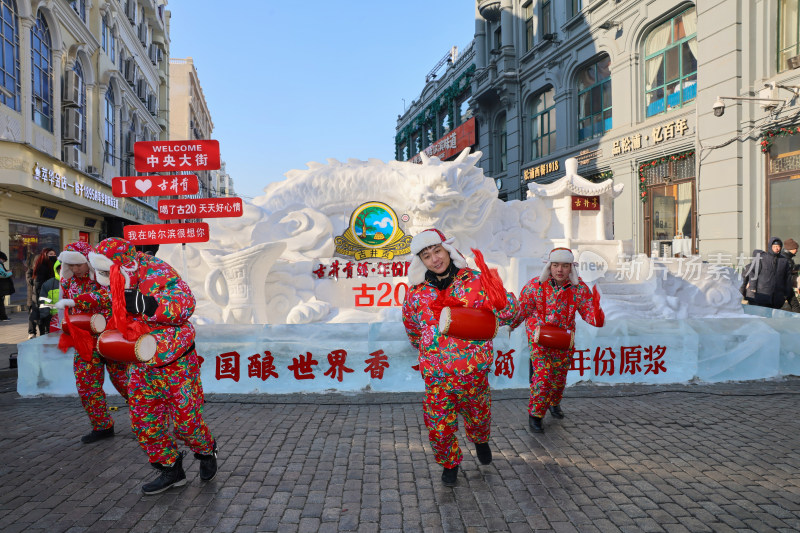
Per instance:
{"type": "Point", "coordinates": [548, 305]}
{"type": "Point", "coordinates": [455, 369]}
{"type": "Point", "coordinates": [80, 293]}
{"type": "Point", "coordinates": [149, 297]}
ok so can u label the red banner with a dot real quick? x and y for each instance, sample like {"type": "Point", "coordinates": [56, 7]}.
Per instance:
{"type": "Point", "coordinates": [586, 203]}
{"type": "Point", "coordinates": [199, 208]}
{"type": "Point", "coordinates": [452, 143]}
{"type": "Point", "coordinates": [154, 185]}
{"type": "Point", "coordinates": [171, 156]}
{"type": "Point", "coordinates": [166, 233]}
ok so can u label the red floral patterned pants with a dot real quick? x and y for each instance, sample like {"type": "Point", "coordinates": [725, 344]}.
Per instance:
{"type": "Point", "coordinates": [172, 393]}
{"type": "Point", "coordinates": [445, 398]}
{"type": "Point", "coordinates": [89, 378]}
{"type": "Point", "coordinates": [549, 378]}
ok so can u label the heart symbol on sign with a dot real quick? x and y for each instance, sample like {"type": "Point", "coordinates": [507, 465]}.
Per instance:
{"type": "Point", "coordinates": [143, 185]}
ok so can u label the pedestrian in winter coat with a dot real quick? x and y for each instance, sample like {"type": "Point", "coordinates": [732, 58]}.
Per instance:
{"type": "Point", "coordinates": [48, 296]}
{"type": "Point", "coordinates": [455, 370]}
{"type": "Point", "coordinates": [82, 294]}
{"type": "Point", "coordinates": [37, 273]}
{"type": "Point", "coordinates": [6, 286]}
{"type": "Point", "coordinates": [767, 280]}
{"type": "Point", "coordinates": [550, 300]}
{"type": "Point", "coordinates": [789, 252]}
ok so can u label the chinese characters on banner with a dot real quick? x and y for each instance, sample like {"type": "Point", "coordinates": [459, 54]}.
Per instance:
{"type": "Point", "coordinates": [380, 294]}
{"type": "Point", "coordinates": [586, 203]}
{"type": "Point", "coordinates": [171, 156]}
{"type": "Point", "coordinates": [154, 185]}
{"type": "Point", "coordinates": [166, 233]}
{"type": "Point", "coordinates": [199, 208]}
{"type": "Point", "coordinates": [626, 360]}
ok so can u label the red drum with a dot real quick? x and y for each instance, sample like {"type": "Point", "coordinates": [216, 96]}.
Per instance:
{"type": "Point", "coordinates": [554, 337]}
{"type": "Point", "coordinates": [112, 345]}
{"type": "Point", "coordinates": [468, 323]}
{"type": "Point", "coordinates": [95, 323]}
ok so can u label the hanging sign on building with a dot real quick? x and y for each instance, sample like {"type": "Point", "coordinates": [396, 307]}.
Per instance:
{"type": "Point", "coordinates": [124, 186]}
{"type": "Point", "coordinates": [541, 170]}
{"type": "Point", "coordinates": [199, 208]}
{"type": "Point", "coordinates": [660, 133]}
{"type": "Point", "coordinates": [585, 203]}
{"type": "Point", "coordinates": [166, 233]}
{"type": "Point", "coordinates": [172, 156]}
{"type": "Point", "coordinates": [450, 144]}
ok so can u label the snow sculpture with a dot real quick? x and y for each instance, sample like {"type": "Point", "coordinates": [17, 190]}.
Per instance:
{"type": "Point", "coordinates": [257, 269]}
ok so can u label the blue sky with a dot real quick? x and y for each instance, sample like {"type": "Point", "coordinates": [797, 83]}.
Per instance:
{"type": "Point", "coordinates": [293, 82]}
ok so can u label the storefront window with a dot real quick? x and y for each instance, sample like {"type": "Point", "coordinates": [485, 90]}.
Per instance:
{"type": "Point", "coordinates": [669, 212]}
{"type": "Point", "coordinates": [783, 188]}
{"type": "Point", "coordinates": [26, 241]}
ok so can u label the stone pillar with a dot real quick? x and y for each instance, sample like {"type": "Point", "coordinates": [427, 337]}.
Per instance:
{"type": "Point", "coordinates": [25, 25]}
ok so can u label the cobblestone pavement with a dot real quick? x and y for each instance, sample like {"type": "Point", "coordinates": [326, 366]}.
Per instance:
{"type": "Point", "coordinates": [626, 458]}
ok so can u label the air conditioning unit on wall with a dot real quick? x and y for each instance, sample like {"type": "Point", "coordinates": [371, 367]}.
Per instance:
{"type": "Point", "coordinates": [70, 155]}
{"type": "Point", "coordinates": [72, 127]}
{"type": "Point", "coordinates": [793, 62]}
{"type": "Point", "coordinates": [72, 89]}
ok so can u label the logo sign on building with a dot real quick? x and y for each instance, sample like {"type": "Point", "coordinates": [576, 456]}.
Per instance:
{"type": "Point", "coordinates": [199, 208]}
{"type": "Point", "coordinates": [586, 203]}
{"type": "Point", "coordinates": [154, 185]}
{"type": "Point", "coordinates": [452, 143]}
{"type": "Point", "coordinates": [374, 231]}
{"type": "Point", "coordinates": [172, 156]}
{"type": "Point", "coordinates": [166, 233]}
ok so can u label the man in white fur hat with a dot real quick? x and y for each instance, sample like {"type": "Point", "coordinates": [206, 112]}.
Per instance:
{"type": "Point", "coordinates": [455, 370]}
{"type": "Point", "coordinates": [552, 300]}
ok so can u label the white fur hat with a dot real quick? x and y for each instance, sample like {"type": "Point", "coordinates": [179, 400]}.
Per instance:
{"type": "Point", "coordinates": [561, 255]}
{"type": "Point", "coordinates": [424, 239]}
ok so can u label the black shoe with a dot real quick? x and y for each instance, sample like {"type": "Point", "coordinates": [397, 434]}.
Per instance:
{"type": "Point", "coordinates": [208, 465]}
{"type": "Point", "coordinates": [171, 476]}
{"type": "Point", "coordinates": [535, 424]}
{"type": "Point", "coordinates": [484, 453]}
{"type": "Point", "coordinates": [556, 411]}
{"type": "Point", "coordinates": [450, 476]}
{"type": "Point", "coordinates": [97, 435]}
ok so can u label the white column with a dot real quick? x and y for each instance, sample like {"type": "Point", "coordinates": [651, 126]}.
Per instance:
{"type": "Point", "coordinates": [25, 25]}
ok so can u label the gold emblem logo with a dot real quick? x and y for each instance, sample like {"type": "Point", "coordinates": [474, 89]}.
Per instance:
{"type": "Point", "coordinates": [374, 231]}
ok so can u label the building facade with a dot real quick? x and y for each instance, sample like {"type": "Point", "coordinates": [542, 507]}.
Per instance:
{"type": "Point", "coordinates": [81, 82]}
{"type": "Point", "coordinates": [221, 182]}
{"type": "Point", "coordinates": [692, 106]}
{"type": "Point", "coordinates": [189, 114]}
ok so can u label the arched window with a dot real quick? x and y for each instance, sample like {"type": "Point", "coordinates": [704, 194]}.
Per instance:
{"type": "Point", "coordinates": [81, 104]}
{"type": "Point", "coordinates": [9, 54]}
{"type": "Point", "coordinates": [594, 99]}
{"type": "Point", "coordinates": [671, 63]}
{"type": "Point", "coordinates": [502, 144]}
{"type": "Point", "coordinates": [42, 74]}
{"type": "Point", "coordinates": [543, 124]}
{"type": "Point", "coordinates": [104, 31]}
{"type": "Point", "coordinates": [110, 129]}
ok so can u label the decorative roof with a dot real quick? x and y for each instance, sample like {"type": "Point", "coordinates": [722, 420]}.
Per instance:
{"type": "Point", "coordinates": [572, 183]}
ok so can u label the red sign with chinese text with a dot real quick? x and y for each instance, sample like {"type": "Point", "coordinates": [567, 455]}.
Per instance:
{"type": "Point", "coordinates": [166, 233]}
{"type": "Point", "coordinates": [586, 203]}
{"type": "Point", "coordinates": [124, 186]}
{"type": "Point", "coordinates": [452, 143]}
{"type": "Point", "coordinates": [169, 156]}
{"type": "Point", "coordinates": [199, 208]}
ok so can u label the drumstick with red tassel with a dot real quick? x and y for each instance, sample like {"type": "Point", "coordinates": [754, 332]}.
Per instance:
{"type": "Point", "coordinates": [491, 282]}
{"type": "Point", "coordinates": [599, 315]}
{"type": "Point", "coordinates": [82, 340]}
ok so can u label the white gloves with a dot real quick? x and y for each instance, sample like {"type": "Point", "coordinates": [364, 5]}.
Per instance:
{"type": "Point", "coordinates": [61, 304]}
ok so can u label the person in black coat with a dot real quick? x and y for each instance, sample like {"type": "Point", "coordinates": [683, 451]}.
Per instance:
{"type": "Point", "coordinates": [6, 286]}
{"type": "Point", "coordinates": [789, 251]}
{"type": "Point", "coordinates": [767, 280]}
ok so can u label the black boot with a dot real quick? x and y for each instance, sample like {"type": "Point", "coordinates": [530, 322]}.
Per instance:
{"type": "Point", "coordinates": [171, 476]}
{"type": "Point", "coordinates": [450, 476]}
{"type": "Point", "coordinates": [98, 434]}
{"type": "Point", "coordinates": [556, 411]}
{"type": "Point", "coordinates": [208, 465]}
{"type": "Point", "coordinates": [535, 424]}
{"type": "Point", "coordinates": [484, 453]}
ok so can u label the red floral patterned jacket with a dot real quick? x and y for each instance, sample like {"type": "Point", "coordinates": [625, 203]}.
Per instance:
{"type": "Point", "coordinates": [442, 355]}
{"type": "Point", "coordinates": [547, 303]}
